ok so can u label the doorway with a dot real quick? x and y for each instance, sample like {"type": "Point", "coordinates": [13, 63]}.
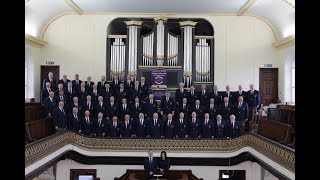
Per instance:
{"type": "Point", "coordinates": [268, 85]}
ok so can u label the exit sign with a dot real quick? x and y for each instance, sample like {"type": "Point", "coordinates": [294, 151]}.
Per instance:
{"type": "Point", "coordinates": [268, 65]}
{"type": "Point", "coordinates": [50, 62]}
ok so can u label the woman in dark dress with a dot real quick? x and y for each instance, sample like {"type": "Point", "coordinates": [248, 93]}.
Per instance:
{"type": "Point", "coordinates": [164, 164]}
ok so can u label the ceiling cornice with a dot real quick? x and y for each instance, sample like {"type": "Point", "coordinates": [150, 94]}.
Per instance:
{"type": "Point", "coordinates": [74, 6]}
{"type": "Point", "coordinates": [34, 41]}
{"type": "Point", "coordinates": [289, 40]}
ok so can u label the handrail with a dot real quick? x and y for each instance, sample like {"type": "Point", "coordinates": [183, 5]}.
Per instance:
{"type": "Point", "coordinates": [278, 153]}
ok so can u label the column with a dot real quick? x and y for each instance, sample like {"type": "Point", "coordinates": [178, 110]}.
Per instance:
{"type": "Point", "coordinates": [160, 20]}
{"type": "Point", "coordinates": [132, 61]}
{"type": "Point", "coordinates": [187, 28]}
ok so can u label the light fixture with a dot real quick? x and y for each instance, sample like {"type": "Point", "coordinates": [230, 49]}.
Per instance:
{"type": "Point", "coordinates": [227, 176]}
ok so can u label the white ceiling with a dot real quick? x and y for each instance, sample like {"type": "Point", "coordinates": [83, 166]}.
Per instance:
{"type": "Point", "coordinates": [279, 13]}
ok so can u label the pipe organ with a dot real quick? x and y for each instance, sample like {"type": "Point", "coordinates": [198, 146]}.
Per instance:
{"type": "Point", "coordinates": [176, 45]}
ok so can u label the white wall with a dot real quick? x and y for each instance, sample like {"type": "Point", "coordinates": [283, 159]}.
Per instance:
{"type": "Point", "coordinates": [107, 172]}
{"type": "Point", "coordinates": [32, 59]}
{"type": "Point", "coordinates": [243, 44]}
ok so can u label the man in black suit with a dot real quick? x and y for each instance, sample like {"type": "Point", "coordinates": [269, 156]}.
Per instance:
{"type": "Point", "coordinates": [192, 95]}
{"type": "Point", "coordinates": [101, 84]}
{"type": "Point", "coordinates": [51, 80]}
{"type": "Point", "coordinates": [94, 93]}
{"type": "Point", "coordinates": [59, 117]}
{"type": "Point", "coordinates": [61, 97]}
{"type": "Point", "coordinates": [169, 127]}
{"type": "Point", "coordinates": [167, 106]}
{"type": "Point", "coordinates": [215, 95]}
{"type": "Point", "coordinates": [123, 109]}
{"type": "Point", "coordinates": [129, 83]}
{"type": "Point", "coordinates": [242, 112]}
{"type": "Point", "coordinates": [82, 91]}
{"type": "Point", "coordinates": [136, 108]}
{"type": "Point", "coordinates": [150, 166]}
{"type": "Point", "coordinates": [88, 105]}
{"type": "Point", "coordinates": [100, 107]}
{"type": "Point", "coordinates": [45, 92]}
{"type": "Point", "coordinates": [74, 119]}
{"type": "Point", "coordinates": [140, 126]}
{"type": "Point", "coordinates": [99, 126]}
{"type": "Point", "coordinates": [64, 80]}
{"type": "Point", "coordinates": [89, 83]}
{"type": "Point", "coordinates": [155, 127]}
{"type": "Point", "coordinates": [126, 127]}
{"type": "Point", "coordinates": [107, 92]}
{"type": "Point", "coordinates": [234, 127]}
{"type": "Point", "coordinates": [238, 93]}
{"type": "Point", "coordinates": [76, 82]}
{"type": "Point", "coordinates": [70, 92]}
{"type": "Point", "coordinates": [198, 109]}
{"type": "Point", "coordinates": [226, 109]}
{"type": "Point", "coordinates": [212, 109]}
{"type": "Point", "coordinates": [220, 126]}
{"type": "Point", "coordinates": [180, 94]}
{"type": "Point", "coordinates": [253, 100]}
{"type": "Point", "coordinates": [50, 103]}
{"type": "Point", "coordinates": [135, 91]}
{"type": "Point", "coordinates": [194, 126]}
{"type": "Point", "coordinates": [182, 126]}
{"type": "Point", "coordinates": [60, 88]}
{"type": "Point", "coordinates": [114, 127]}
{"type": "Point", "coordinates": [121, 93]}
{"type": "Point", "coordinates": [207, 127]}
{"type": "Point", "coordinates": [228, 94]}
{"type": "Point", "coordinates": [115, 83]}
{"type": "Point", "coordinates": [203, 95]}
{"type": "Point", "coordinates": [87, 124]}
{"type": "Point", "coordinates": [150, 106]}
{"type": "Point", "coordinates": [75, 103]}
{"type": "Point", "coordinates": [112, 109]}
{"type": "Point", "coordinates": [144, 88]}
{"type": "Point", "coordinates": [184, 108]}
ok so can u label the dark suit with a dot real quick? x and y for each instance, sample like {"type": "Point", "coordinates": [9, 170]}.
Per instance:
{"type": "Point", "coordinates": [74, 123]}
{"type": "Point", "coordinates": [185, 110]}
{"type": "Point", "coordinates": [44, 94]}
{"type": "Point", "coordinates": [204, 98]}
{"type": "Point", "coordinates": [253, 99]}
{"type": "Point", "coordinates": [59, 117]}
{"type": "Point", "coordinates": [226, 111]}
{"type": "Point", "coordinates": [69, 95]}
{"type": "Point", "coordinates": [112, 110]}
{"type": "Point", "coordinates": [135, 93]}
{"type": "Point", "coordinates": [106, 94]}
{"type": "Point", "coordinates": [167, 106]}
{"type": "Point", "coordinates": [114, 130]}
{"type": "Point", "coordinates": [128, 85]}
{"type": "Point", "coordinates": [192, 98]}
{"type": "Point", "coordinates": [101, 85]}
{"type": "Point", "coordinates": [120, 95]}
{"type": "Point", "coordinates": [89, 86]}
{"type": "Point", "coordinates": [94, 96]}
{"type": "Point", "coordinates": [237, 94]}
{"type": "Point", "coordinates": [144, 90]}
{"type": "Point", "coordinates": [82, 95]}
{"type": "Point", "coordinates": [75, 84]}
{"type": "Point", "coordinates": [123, 112]}
{"type": "Point", "coordinates": [212, 112]}
{"type": "Point", "coordinates": [150, 167]}
{"type": "Point", "coordinates": [216, 96]}
{"type": "Point", "coordinates": [231, 96]}
{"type": "Point", "coordinates": [91, 108]}
{"type": "Point", "coordinates": [72, 105]}
{"type": "Point", "coordinates": [56, 92]}
{"type": "Point", "coordinates": [220, 131]}
{"type": "Point", "coordinates": [53, 84]}
{"type": "Point", "coordinates": [65, 83]}
{"type": "Point", "coordinates": [126, 131]}
{"type": "Point", "coordinates": [208, 129]}
{"type": "Point", "coordinates": [155, 130]}
{"type": "Point", "coordinates": [169, 129]}
{"type": "Point", "coordinates": [115, 86]}
{"type": "Point", "coordinates": [149, 109]}
{"type": "Point", "coordinates": [87, 127]}
{"type": "Point", "coordinates": [98, 108]}
{"type": "Point", "coordinates": [200, 111]}
{"type": "Point", "coordinates": [99, 128]}
{"type": "Point", "coordinates": [180, 95]}
{"type": "Point", "coordinates": [135, 110]}
{"type": "Point", "coordinates": [49, 105]}
{"type": "Point", "coordinates": [182, 128]}
{"type": "Point", "coordinates": [194, 128]}
{"type": "Point", "coordinates": [234, 131]}
{"type": "Point", "coordinates": [241, 112]}
{"type": "Point", "coordinates": [140, 129]}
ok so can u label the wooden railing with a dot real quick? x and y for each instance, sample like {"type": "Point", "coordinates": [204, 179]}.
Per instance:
{"type": "Point", "coordinates": [173, 174]}
{"type": "Point", "coordinates": [283, 113]}
{"type": "Point", "coordinates": [277, 131]}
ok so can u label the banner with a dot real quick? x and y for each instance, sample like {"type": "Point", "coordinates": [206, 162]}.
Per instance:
{"type": "Point", "coordinates": [159, 77]}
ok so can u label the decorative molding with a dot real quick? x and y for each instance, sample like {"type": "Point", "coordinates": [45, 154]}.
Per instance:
{"type": "Point", "coordinates": [280, 154]}
{"type": "Point", "coordinates": [284, 41]}
{"type": "Point", "coordinates": [133, 23]}
{"type": "Point", "coordinates": [159, 67]}
{"type": "Point", "coordinates": [203, 37]}
{"type": "Point", "coordinates": [34, 41]}
{"type": "Point", "coordinates": [187, 23]}
{"type": "Point", "coordinates": [245, 7]}
{"type": "Point", "coordinates": [163, 18]}
{"type": "Point", "coordinates": [74, 6]}
{"type": "Point", "coordinates": [117, 36]}
{"type": "Point", "coordinates": [290, 2]}
{"type": "Point", "coordinates": [275, 33]}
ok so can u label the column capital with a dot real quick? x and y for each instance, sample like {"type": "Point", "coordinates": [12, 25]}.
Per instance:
{"type": "Point", "coordinates": [163, 18]}
{"type": "Point", "coordinates": [187, 23]}
{"type": "Point", "coordinates": [133, 23]}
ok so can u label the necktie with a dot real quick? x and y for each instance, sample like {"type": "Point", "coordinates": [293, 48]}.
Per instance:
{"type": "Point", "coordinates": [124, 106]}
{"type": "Point", "coordinates": [226, 105]}
{"type": "Point", "coordinates": [202, 92]}
{"type": "Point", "coordinates": [115, 124]}
{"type": "Point", "coordinates": [121, 90]}
{"type": "Point", "coordinates": [206, 121]}
{"type": "Point", "coordinates": [239, 105]}
{"type": "Point", "coordinates": [167, 99]}
{"type": "Point", "coordinates": [141, 122]}
{"type": "Point", "coordinates": [151, 101]}
{"type": "Point", "coordinates": [232, 124]}
{"type": "Point", "coordinates": [194, 120]}
{"type": "Point", "coordinates": [75, 116]}
{"type": "Point", "coordinates": [62, 110]}
{"type": "Point", "coordinates": [87, 120]}
{"type": "Point", "coordinates": [251, 92]}
{"type": "Point", "coordinates": [77, 82]}
{"type": "Point", "coordinates": [99, 122]}
{"type": "Point", "coordinates": [82, 89]}
{"type": "Point", "coordinates": [89, 105]}
{"type": "Point", "coordinates": [102, 82]}
{"type": "Point", "coordinates": [155, 122]}
{"type": "Point", "coordinates": [180, 121]}
{"type": "Point", "coordinates": [126, 125]}
{"type": "Point", "coordinates": [116, 82]}
{"type": "Point", "coordinates": [61, 98]}
{"type": "Point", "coordinates": [219, 123]}
{"type": "Point", "coordinates": [70, 91]}
{"type": "Point", "coordinates": [192, 93]}
{"type": "Point", "coordinates": [184, 106]}
{"type": "Point", "coordinates": [169, 123]}
{"type": "Point", "coordinates": [51, 99]}
{"type": "Point", "coordinates": [197, 106]}
{"type": "Point", "coordinates": [211, 106]}
{"type": "Point", "coordinates": [100, 104]}
{"type": "Point", "coordinates": [150, 160]}
{"type": "Point", "coordinates": [137, 105]}
{"type": "Point", "coordinates": [136, 88]}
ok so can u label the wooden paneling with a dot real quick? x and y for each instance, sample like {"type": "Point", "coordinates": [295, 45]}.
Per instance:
{"type": "Point", "coordinates": [268, 85]}
{"type": "Point", "coordinates": [276, 131]}
{"type": "Point", "coordinates": [283, 114]}
{"type": "Point", "coordinates": [38, 129]}
{"type": "Point", "coordinates": [33, 111]}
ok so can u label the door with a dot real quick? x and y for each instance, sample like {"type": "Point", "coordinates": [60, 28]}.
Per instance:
{"type": "Point", "coordinates": [268, 85]}
{"type": "Point", "coordinates": [44, 73]}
